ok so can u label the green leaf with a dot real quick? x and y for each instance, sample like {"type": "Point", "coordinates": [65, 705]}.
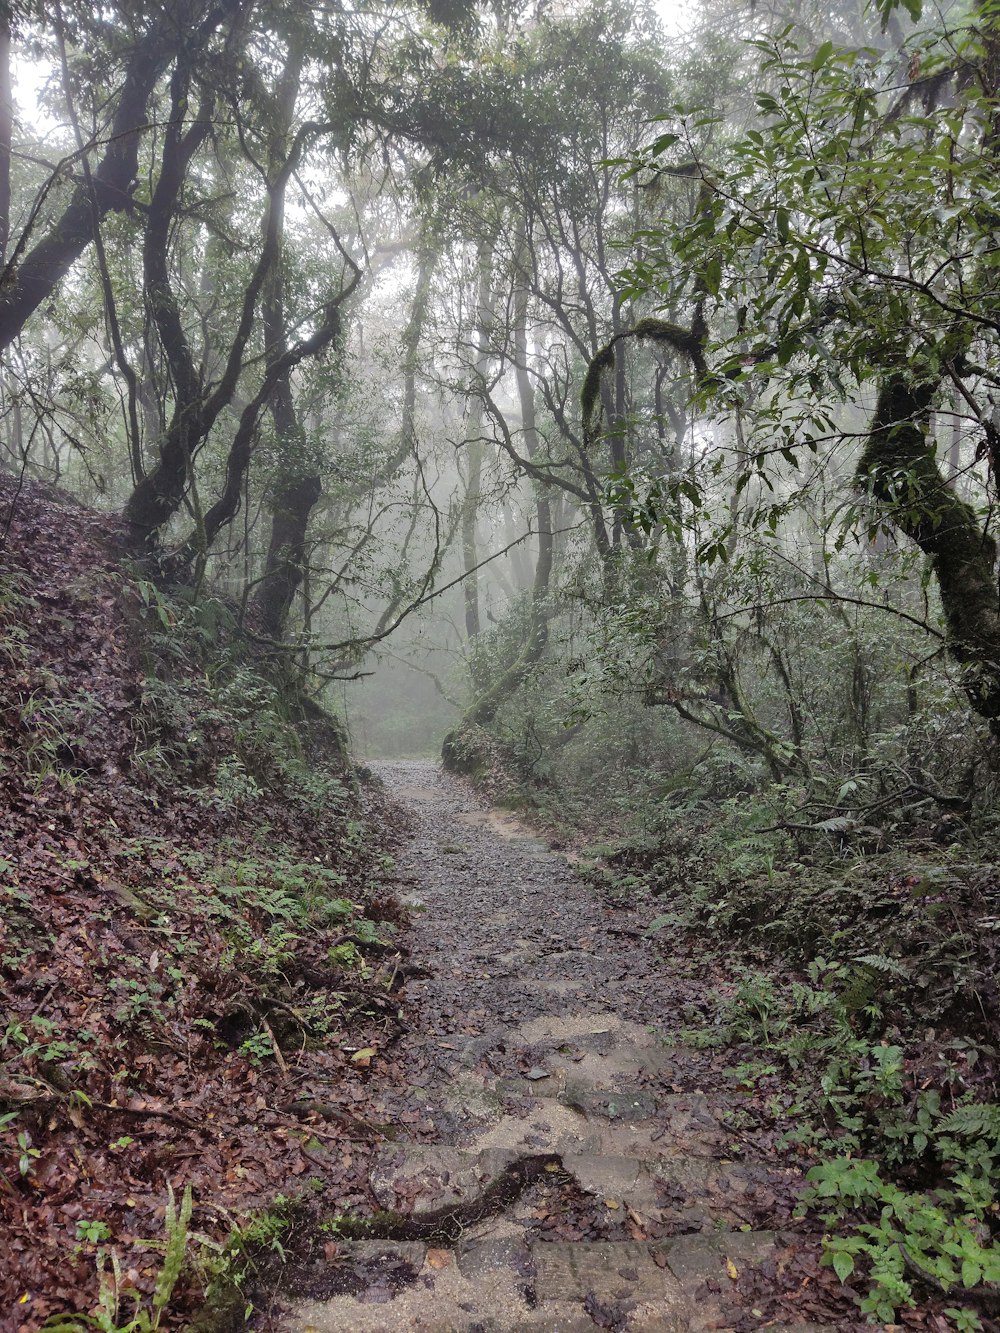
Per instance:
{"type": "Point", "coordinates": [971, 1273]}
{"type": "Point", "coordinates": [822, 56]}
{"type": "Point", "coordinates": [664, 142]}
{"type": "Point", "coordinates": [843, 1265]}
{"type": "Point", "coordinates": [713, 275]}
{"type": "Point", "coordinates": [781, 222]}
{"type": "Point", "coordinates": [786, 350]}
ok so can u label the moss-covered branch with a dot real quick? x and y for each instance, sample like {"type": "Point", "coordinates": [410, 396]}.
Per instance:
{"type": "Point", "coordinates": [688, 342]}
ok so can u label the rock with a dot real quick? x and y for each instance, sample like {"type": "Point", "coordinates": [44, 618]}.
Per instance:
{"type": "Point", "coordinates": [696, 1259]}
{"type": "Point", "coordinates": [610, 1270]}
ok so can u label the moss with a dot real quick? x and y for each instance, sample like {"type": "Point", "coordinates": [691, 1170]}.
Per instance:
{"type": "Point", "coordinates": [591, 391]}
{"type": "Point", "coordinates": [900, 470]}
{"type": "Point", "coordinates": [688, 342]}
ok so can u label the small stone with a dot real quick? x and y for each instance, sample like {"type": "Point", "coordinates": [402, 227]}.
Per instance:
{"type": "Point", "coordinates": [536, 1072]}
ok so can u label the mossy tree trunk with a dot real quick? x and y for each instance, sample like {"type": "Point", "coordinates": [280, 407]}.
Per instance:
{"type": "Point", "coordinates": [900, 469]}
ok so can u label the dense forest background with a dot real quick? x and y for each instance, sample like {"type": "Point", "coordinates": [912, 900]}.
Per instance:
{"type": "Point", "coordinates": [605, 396]}
{"type": "Point", "coordinates": [311, 300]}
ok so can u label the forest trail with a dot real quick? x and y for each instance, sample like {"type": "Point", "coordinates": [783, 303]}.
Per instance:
{"type": "Point", "coordinates": [569, 1169]}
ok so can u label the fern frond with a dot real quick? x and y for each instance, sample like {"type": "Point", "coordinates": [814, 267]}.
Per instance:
{"type": "Point", "coordinates": [177, 1224]}
{"type": "Point", "coordinates": [978, 1121]}
{"type": "Point", "coordinates": [880, 962]}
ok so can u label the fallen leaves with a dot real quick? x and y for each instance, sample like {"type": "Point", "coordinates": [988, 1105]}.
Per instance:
{"type": "Point", "coordinates": [117, 926]}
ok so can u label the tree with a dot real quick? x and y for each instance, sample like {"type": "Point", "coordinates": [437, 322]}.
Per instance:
{"type": "Point", "coordinates": [845, 245]}
{"type": "Point", "coordinates": [36, 265]}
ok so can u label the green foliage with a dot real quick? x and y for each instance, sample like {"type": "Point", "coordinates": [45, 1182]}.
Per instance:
{"type": "Point", "coordinates": [914, 1240]}
{"type": "Point", "coordinates": [112, 1314]}
{"type": "Point", "coordinates": [856, 1097]}
{"type": "Point", "coordinates": [211, 716]}
{"type": "Point", "coordinates": [857, 1087]}
{"type": "Point", "coordinates": [92, 1231]}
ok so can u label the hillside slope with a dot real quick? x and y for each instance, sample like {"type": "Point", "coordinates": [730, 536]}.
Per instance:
{"type": "Point", "coordinates": [188, 879]}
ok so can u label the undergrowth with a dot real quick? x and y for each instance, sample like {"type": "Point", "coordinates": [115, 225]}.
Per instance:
{"type": "Point", "coordinates": [874, 998]}
{"type": "Point", "coordinates": [192, 897]}
{"type": "Point", "coordinates": [865, 913]}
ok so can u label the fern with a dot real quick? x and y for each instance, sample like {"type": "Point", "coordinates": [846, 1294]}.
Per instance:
{"type": "Point", "coordinates": [880, 962]}
{"type": "Point", "coordinates": [978, 1121]}
{"type": "Point", "coordinates": [107, 1317]}
{"type": "Point", "coordinates": [836, 824]}
{"type": "Point", "coordinates": [177, 1225]}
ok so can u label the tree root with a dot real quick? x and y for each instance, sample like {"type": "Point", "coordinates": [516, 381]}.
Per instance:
{"type": "Point", "coordinates": [449, 1222]}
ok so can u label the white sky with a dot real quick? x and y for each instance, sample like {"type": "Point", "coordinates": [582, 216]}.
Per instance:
{"type": "Point", "coordinates": [675, 15]}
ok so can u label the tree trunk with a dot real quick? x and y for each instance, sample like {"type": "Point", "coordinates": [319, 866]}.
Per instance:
{"type": "Point", "coordinates": [286, 553]}
{"type": "Point", "coordinates": [456, 751]}
{"type": "Point", "coordinates": [299, 486]}
{"type": "Point", "coordinates": [900, 469]}
{"type": "Point", "coordinates": [6, 130]}
{"type": "Point", "coordinates": [31, 279]}
{"type": "Point", "coordinates": [485, 308]}
{"type": "Point", "coordinates": [157, 495]}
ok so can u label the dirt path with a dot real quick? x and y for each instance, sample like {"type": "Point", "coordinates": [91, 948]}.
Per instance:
{"type": "Point", "coordinates": [557, 1165]}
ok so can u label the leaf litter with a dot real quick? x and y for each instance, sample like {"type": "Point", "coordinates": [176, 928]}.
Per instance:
{"type": "Point", "coordinates": [171, 1011]}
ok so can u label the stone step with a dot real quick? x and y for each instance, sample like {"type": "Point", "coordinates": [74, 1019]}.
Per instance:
{"type": "Point", "coordinates": [678, 1112]}
{"type": "Point", "coordinates": [706, 1258]}
{"type": "Point", "coordinates": [608, 1270]}
{"type": "Point", "coordinates": [491, 1287]}
{"type": "Point", "coordinates": [654, 1189]}
{"type": "Point", "coordinates": [664, 1270]}
{"type": "Point", "coordinates": [442, 1291]}
{"type": "Point", "coordinates": [419, 1178]}
{"type": "Point", "coordinates": [501, 1284]}
{"type": "Point", "coordinates": [620, 1067]}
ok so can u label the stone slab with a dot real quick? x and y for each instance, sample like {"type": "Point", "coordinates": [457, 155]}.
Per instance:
{"type": "Point", "coordinates": [627, 1104]}
{"type": "Point", "coordinates": [433, 1177]}
{"type": "Point", "coordinates": [696, 1259]}
{"type": "Point", "coordinates": [369, 1251]}
{"type": "Point", "coordinates": [475, 1258]}
{"type": "Point", "coordinates": [611, 1270]}
{"type": "Point", "coordinates": [607, 1177]}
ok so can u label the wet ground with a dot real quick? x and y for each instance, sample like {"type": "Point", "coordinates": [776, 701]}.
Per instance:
{"type": "Point", "coordinates": [557, 1162]}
